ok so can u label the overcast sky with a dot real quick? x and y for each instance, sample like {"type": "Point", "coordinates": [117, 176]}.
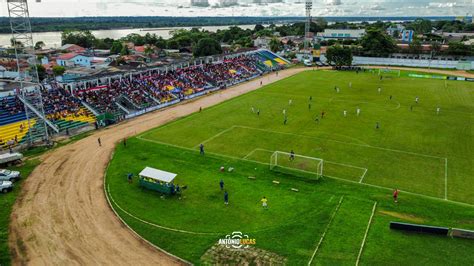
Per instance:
{"type": "Point", "coordinates": [68, 8]}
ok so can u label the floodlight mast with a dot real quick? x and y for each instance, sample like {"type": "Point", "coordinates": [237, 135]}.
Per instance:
{"type": "Point", "coordinates": [307, 27]}
{"type": "Point", "coordinates": [22, 38]}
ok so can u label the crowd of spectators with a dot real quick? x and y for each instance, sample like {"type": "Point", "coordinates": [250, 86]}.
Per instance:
{"type": "Point", "coordinates": [159, 87]}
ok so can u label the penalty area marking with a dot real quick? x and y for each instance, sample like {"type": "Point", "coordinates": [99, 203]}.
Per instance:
{"type": "Point", "coordinates": [325, 230]}
{"type": "Point", "coordinates": [366, 233]}
{"type": "Point", "coordinates": [220, 156]}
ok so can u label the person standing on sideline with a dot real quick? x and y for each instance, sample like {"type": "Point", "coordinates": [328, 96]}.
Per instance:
{"type": "Point", "coordinates": [264, 202]}
{"type": "Point", "coordinates": [125, 142]}
{"type": "Point", "coordinates": [226, 198]}
{"type": "Point", "coordinates": [395, 195]}
{"type": "Point", "coordinates": [200, 109]}
{"type": "Point", "coordinates": [221, 184]}
{"type": "Point", "coordinates": [201, 149]}
{"type": "Point", "coordinates": [100, 143]}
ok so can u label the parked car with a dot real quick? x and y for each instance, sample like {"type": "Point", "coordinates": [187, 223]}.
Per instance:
{"type": "Point", "coordinates": [10, 158]}
{"type": "Point", "coordinates": [6, 186]}
{"type": "Point", "coordinates": [7, 175]}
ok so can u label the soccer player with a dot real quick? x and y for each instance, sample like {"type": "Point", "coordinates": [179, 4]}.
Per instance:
{"type": "Point", "coordinates": [411, 107]}
{"type": "Point", "coordinates": [292, 155]}
{"type": "Point", "coordinates": [309, 106]}
{"type": "Point", "coordinates": [337, 89]}
{"type": "Point", "coordinates": [226, 198]}
{"type": "Point", "coordinates": [390, 97]}
{"type": "Point", "coordinates": [322, 114]}
{"type": "Point", "coordinates": [290, 102]}
{"type": "Point", "coordinates": [264, 202]}
{"type": "Point", "coordinates": [221, 184]}
{"type": "Point", "coordinates": [416, 99]}
{"type": "Point", "coordinates": [358, 111]}
{"type": "Point", "coordinates": [201, 149]}
{"type": "Point", "coordinates": [437, 110]}
{"type": "Point", "coordinates": [253, 110]}
{"type": "Point", "coordinates": [379, 90]}
{"type": "Point", "coordinates": [285, 121]}
{"type": "Point", "coordinates": [310, 98]}
{"type": "Point", "coordinates": [345, 113]}
{"type": "Point", "coordinates": [350, 84]}
{"type": "Point", "coordinates": [317, 119]}
{"type": "Point", "coordinates": [377, 125]}
{"type": "Point", "coordinates": [258, 112]}
{"type": "Point", "coordinates": [395, 195]}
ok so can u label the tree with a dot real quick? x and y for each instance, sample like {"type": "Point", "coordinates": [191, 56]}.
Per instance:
{"type": "Point", "coordinates": [275, 45]}
{"type": "Point", "coordinates": [41, 71]}
{"type": "Point", "coordinates": [125, 50]}
{"type": "Point", "coordinates": [59, 70]}
{"type": "Point", "coordinates": [82, 38]}
{"type": "Point", "coordinates": [459, 48]}
{"type": "Point", "coordinates": [149, 50]}
{"type": "Point", "coordinates": [258, 28]}
{"type": "Point", "coordinates": [206, 47]}
{"type": "Point", "coordinates": [377, 43]}
{"type": "Point", "coordinates": [415, 47]}
{"type": "Point", "coordinates": [435, 48]}
{"type": "Point", "coordinates": [116, 47]}
{"type": "Point", "coordinates": [160, 43]}
{"type": "Point", "coordinates": [339, 55]}
{"type": "Point", "coordinates": [39, 45]}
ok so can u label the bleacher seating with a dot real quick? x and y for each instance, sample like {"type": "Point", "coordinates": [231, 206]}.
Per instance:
{"type": "Point", "coordinates": [122, 96]}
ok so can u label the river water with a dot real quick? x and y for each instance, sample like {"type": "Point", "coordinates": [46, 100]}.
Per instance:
{"type": "Point", "coordinates": [53, 39]}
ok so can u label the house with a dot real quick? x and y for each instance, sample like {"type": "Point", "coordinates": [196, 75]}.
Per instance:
{"type": "Point", "coordinates": [341, 34]}
{"type": "Point", "coordinates": [73, 59]}
{"type": "Point", "coordinates": [72, 48]}
{"type": "Point", "coordinates": [262, 42]}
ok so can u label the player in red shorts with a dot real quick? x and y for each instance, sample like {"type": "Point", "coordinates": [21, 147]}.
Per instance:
{"type": "Point", "coordinates": [395, 195]}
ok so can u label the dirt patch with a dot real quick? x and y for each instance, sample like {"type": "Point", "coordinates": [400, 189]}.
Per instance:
{"type": "Point", "coordinates": [220, 255]}
{"type": "Point", "coordinates": [404, 216]}
{"type": "Point", "coordinates": [66, 200]}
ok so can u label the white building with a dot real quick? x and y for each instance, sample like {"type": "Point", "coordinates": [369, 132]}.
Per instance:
{"type": "Point", "coordinates": [338, 34]}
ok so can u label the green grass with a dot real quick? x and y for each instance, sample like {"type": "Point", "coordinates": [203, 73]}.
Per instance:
{"type": "Point", "coordinates": [6, 205]}
{"type": "Point", "coordinates": [411, 151]}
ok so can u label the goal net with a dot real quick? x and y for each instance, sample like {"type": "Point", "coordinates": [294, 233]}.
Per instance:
{"type": "Point", "coordinates": [298, 165]}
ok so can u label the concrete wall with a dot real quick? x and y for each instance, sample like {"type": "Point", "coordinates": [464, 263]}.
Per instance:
{"type": "Point", "coordinates": [450, 64]}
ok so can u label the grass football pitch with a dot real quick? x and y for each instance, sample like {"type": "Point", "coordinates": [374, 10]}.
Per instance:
{"type": "Point", "coordinates": [338, 219]}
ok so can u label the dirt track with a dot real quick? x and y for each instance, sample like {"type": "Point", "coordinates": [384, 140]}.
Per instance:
{"type": "Point", "coordinates": [62, 216]}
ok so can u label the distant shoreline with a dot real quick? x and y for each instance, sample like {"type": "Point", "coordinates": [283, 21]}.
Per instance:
{"type": "Point", "coordinates": [58, 24]}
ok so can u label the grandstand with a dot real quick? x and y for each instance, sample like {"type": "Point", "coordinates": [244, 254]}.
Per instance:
{"type": "Point", "coordinates": [126, 96]}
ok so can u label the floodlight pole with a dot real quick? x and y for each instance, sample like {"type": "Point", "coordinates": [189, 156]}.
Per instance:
{"type": "Point", "coordinates": [307, 26]}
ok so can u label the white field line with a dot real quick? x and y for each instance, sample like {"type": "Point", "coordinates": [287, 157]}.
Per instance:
{"type": "Point", "coordinates": [363, 175]}
{"type": "Point", "coordinates": [325, 230]}
{"type": "Point", "coordinates": [257, 149]}
{"type": "Point", "coordinates": [398, 106]}
{"type": "Point", "coordinates": [220, 156]}
{"type": "Point", "coordinates": [156, 225]}
{"type": "Point", "coordinates": [445, 178]}
{"type": "Point", "coordinates": [338, 141]}
{"type": "Point", "coordinates": [215, 136]}
{"type": "Point", "coordinates": [346, 165]}
{"type": "Point", "coordinates": [366, 233]}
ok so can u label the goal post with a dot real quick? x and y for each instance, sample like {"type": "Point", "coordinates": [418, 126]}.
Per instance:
{"type": "Point", "coordinates": [298, 165]}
